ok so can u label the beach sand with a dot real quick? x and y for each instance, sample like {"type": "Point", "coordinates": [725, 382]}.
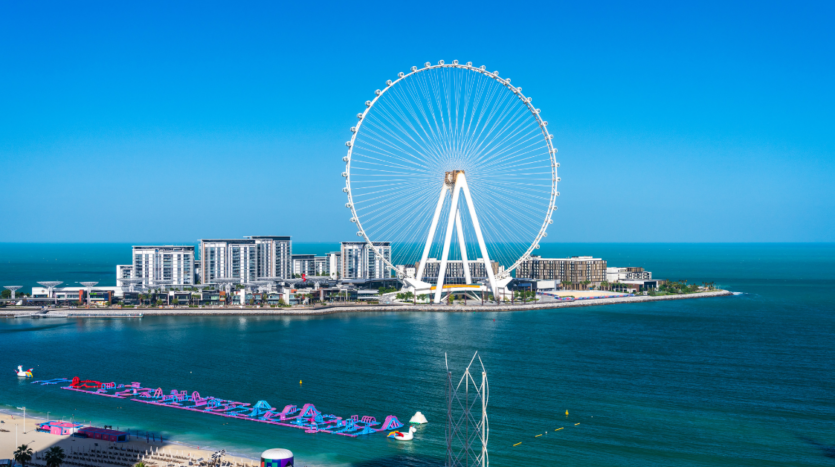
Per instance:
{"type": "Point", "coordinates": [38, 441]}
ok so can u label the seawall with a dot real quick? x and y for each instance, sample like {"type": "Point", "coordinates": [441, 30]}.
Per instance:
{"type": "Point", "coordinates": [327, 310]}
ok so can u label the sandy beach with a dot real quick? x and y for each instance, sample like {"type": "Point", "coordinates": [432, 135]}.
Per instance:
{"type": "Point", "coordinates": [170, 453]}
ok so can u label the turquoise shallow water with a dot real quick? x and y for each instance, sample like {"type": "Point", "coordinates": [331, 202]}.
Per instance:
{"type": "Point", "coordinates": [743, 380]}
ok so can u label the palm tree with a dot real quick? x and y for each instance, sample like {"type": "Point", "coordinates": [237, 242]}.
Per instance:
{"type": "Point", "coordinates": [54, 457]}
{"type": "Point", "coordinates": [140, 464]}
{"type": "Point", "coordinates": [23, 455]}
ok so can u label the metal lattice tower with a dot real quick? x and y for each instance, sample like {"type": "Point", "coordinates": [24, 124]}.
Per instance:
{"type": "Point", "coordinates": [467, 435]}
{"type": "Point", "coordinates": [89, 286]}
{"type": "Point", "coordinates": [13, 288]}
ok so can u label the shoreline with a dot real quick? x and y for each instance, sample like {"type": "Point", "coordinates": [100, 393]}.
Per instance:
{"type": "Point", "coordinates": [335, 309]}
{"type": "Point", "coordinates": [39, 441]}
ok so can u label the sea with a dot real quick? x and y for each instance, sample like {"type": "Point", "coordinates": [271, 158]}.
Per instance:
{"type": "Point", "coordinates": [747, 379]}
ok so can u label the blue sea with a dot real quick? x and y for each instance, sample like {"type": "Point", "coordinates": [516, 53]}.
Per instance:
{"type": "Point", "coordinates": [742, 380]}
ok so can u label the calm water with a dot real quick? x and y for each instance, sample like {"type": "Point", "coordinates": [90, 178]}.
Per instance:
{"type": "Point", "coordinates": [743, 380]}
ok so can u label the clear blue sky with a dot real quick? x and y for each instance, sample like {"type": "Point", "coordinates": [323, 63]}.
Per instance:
{"type": "Point", "coordinates": [160, 122]}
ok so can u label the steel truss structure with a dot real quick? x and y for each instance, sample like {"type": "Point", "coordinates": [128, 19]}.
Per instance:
{"type": "Point", "coordinates": [468, 429]}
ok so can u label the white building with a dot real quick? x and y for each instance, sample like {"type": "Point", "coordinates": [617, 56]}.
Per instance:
{"type": "Point", "coordinates": [153, 264]}
{"type": "Point", "coordinates": [123, 271]}
{"type": "Point", "coordinates": [360, 262]}
{"type": "Point", "coordinates": [97, 294]}
{"type": "Point", "coordinates": [624, 274]}
{"type": "Point", "coordinates": [245, 259]}
{"type": "Point", "coordinates": [334, 264]}
{"type": "Point", "coordinates": [304, 264]}
{"type": "Point", "coordinates": [322, 265]}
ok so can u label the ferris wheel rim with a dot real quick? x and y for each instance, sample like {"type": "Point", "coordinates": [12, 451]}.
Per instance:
{"type": "Point", "coordinates": [543, 125]}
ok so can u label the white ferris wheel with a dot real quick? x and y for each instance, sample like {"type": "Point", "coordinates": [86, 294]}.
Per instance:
{"type": "Point", "coordinates": [451, 147]}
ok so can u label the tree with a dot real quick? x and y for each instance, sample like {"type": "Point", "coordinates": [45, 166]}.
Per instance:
{"type": "Point", "coordinates": [54, 457]}
{"type": "Point", "coordinates": [140, 464]}
{"type": "Point", "coordinates": [6, 294]}
{"type": "Point", "coordinates": [586, 283]}
{"type": "Point", "coordinates": [566, 284]}
{"type": "Point", "coordinates": [23, 454]}
{"type": "Point", "coordinates": [422, 297]}
{"type": "Point", "coordinates": [604, 285]}
{"type": "Point", "coordinates": [175, 302]}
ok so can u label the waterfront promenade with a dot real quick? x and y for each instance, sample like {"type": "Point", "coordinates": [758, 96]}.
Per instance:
{"type": "Point", "coordinates": [347, 308]}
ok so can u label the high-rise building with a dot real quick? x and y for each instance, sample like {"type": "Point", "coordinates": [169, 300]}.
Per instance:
{"type": "Point", "coordinates": [359, 261]}
{"type": "Point", "coordinates": [304, 264]}
{"type": "Point", "coordinates": [154, 264]}
{"type": "Point", "coordinates": [576, 269]}
{"type": "Point", "coordinates": [246, 259]}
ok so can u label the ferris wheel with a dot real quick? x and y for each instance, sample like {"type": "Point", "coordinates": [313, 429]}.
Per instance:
{"type": "Point", "coordinates": [470, 135]}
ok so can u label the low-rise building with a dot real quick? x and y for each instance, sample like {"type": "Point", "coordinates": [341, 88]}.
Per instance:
{"type": "Point", "coordinates": [623, 274]}
{"type": "Point", "coordinates": [576, 270]}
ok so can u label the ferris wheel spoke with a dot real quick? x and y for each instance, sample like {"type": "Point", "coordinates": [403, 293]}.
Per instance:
{"type": "Point", "coordinates": [399, 126]}
{"type": "Point", "coordinates": [439, 119]}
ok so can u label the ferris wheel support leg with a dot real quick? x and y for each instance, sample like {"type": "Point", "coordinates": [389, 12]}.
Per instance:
{"type": "Point", "coordinates": [453, 211]}
{"type": "Point", "coordinates": [487, 266]}
{"type": "Point", "coordinates": [431, 236]}
{"type": "Point", "coordinates": [459, 227]}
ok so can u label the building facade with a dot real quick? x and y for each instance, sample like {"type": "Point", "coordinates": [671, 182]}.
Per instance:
{"type": "Point", "coordinates": [576, 269]}
{"type": "Point", "coordinates": [627, 274]}
{"type": "Point", "coordinates": [455, 271]}
{"type": "Point", "coordinates": [359, 261]}
{"type": "Point", "coordinates": [304, 264]}
{"type": "Point", "coordinates": [155, 264]}
{"type": "Point", "coordinates": [123, 271]}
{"type": "Point", "coordinates": [334, 263]}
{"type": "Point", "coordinates": [245, 259]}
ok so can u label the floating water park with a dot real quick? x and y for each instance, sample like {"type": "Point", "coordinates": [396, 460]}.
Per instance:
{"type": "Point", "coordinates": [305, 417]}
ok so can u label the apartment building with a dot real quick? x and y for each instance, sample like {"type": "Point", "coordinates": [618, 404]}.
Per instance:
{"type": "Point", "coordinates": [304, 264]}
{"type": "Point", "coordinates": [576, 269]}
{"type": "Point", "coordinates": [359, 261]}
{"type": "Point", "coordinates": [246, 259]}
{"type": "Point", "coordinates": [156, 264]}
{"type": "Point", "coordinates": [455, 271]}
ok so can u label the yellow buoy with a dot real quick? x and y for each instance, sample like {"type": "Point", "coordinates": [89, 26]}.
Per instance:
{"type": "Point", "coordinates": [517, 444]}
{"type": "Point", "coordinates": [300, 382]}
{"type": "Point", "coordinates": [558, 429]}
{"type": "Point", "coordinates": [576, 424]}
{"type": "Point", "coordinates": [537, 436]}
{"type": "Point", "coordinates": [566, 413]}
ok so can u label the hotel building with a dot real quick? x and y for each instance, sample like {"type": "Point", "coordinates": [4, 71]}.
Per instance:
{"type": "Point", "coordinates": [576, 269]}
